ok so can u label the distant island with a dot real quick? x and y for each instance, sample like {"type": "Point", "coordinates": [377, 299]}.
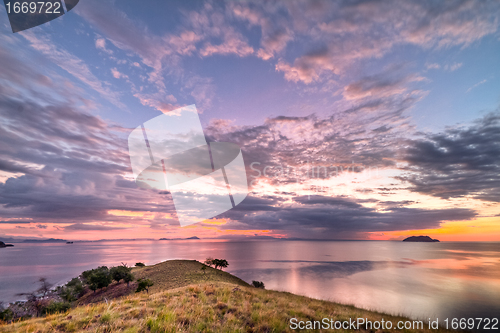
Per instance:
{"type": "Point", "coordinates": [50, 240]}
{"type": "Point", "coordinates": [194, 237]}
{"type": "Point", "coordinates": [424, 239]}
{"type": "Point", "coordinates": [2, 244]}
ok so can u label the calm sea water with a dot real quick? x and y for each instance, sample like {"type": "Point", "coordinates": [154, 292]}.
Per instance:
{"type": "Point", "coordinates": [420, 280]}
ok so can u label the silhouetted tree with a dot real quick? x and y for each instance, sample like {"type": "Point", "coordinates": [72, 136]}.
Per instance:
{"type": "Point", "coordinates": [222, 263]}
{"type": "Point", "coordinates": [258, 284]}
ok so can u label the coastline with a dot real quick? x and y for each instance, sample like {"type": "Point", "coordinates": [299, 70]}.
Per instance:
{"type": "Point", "coordinates": [188, 299]}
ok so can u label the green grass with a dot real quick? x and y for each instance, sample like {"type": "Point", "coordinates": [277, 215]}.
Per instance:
{"type": "Point", "coordinates": [185, 300]}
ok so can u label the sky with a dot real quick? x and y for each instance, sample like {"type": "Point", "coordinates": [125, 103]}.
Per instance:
{"type": "Point", "coordinates": [370, 120]}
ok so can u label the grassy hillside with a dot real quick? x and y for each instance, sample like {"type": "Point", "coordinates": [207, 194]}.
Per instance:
{"type": "Point", "coordinates": [165, 276]}
{"type": "Point", "coordinates": [184, 299]}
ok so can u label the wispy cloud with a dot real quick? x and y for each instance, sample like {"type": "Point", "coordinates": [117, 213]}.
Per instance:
{"type": "Point", "coordinates": [476, 85]}
{"type": "Point", "coordinates": [73, 65]}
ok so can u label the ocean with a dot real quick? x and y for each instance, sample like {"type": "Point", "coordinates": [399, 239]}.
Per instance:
{"type": "Point", "coordinates": [418, 280]}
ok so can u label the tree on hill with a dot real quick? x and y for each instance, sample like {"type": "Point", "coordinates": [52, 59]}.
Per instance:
{"type": "Point", "coordinates": [144, 284]}
{"type": "Point", "coordinates": [209, 261]}
{"type": "Point", "coordinates": [222, 263]}
{"type": "Point", "coordinates": [121, 273]}
{"type": "Point", "coordinates": [258, 284]}
{"type": "Point", "coordinates": [98, 278]}
{"type": "Point", "coordinates": [128, 278]}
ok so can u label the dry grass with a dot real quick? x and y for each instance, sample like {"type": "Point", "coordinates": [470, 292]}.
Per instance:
{"type": "Point", "coordinates": [165, 276]}
{"type": "Point", "coordinates": [209, 305]}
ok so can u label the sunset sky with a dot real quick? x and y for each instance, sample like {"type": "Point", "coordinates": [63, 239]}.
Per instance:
{"type": "Point", "coordinates": [372, 119]}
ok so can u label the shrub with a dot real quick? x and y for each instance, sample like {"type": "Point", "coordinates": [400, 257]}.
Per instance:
{"type": "Point", "coordinates": [6, 315]}
{"type": "Point", "coordinates": [76, 284]}
{"type": "Point", "coordinates": [97, 278]}
{"type": "Point", "coordinates": [121, 273]}
{"type": "Point", "coordinates": [128, 278]}
{"type": "Point", "coordinates": [72, 291]}
{"type": "Point", "coordinates": [144, 284]}
{"type": "Point", "coordinates": [139, 264]}
{"type": "Point", "coordinates": [258, 284]}
{"type": "Point", "coordinates": [56, 307]}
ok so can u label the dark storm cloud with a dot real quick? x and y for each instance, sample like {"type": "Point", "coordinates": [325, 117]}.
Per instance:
{"type": "Point", "coordinates": [90, 227]}
{"type": "Point", "coordinates": [322, 200]}
{"type": "Point", "coordinates": [14, 167]}
{"type": "Point", "coordinates": [57, 135]}
{"type": "Point", "coordinates": [70, 196]}
{"type": "Point", "coordinates": [458, 162]}
{"type": "Point", "coordinates": [324, 217]}
{"type": "Point", "coordinates": [16, 222]}
{"type": "Point", "coordinates": [71, 162]}
{"type": "Point", "coordinates": [252, 203]}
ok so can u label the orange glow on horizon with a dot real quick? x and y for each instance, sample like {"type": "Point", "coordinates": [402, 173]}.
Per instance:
{"type": "Point", "coordinates": [137, 225]}
{"type": "Point", "coordinates": [485, 229]}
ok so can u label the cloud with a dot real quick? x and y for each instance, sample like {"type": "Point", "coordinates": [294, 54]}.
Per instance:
{"type": "Point", "coordinates": [459, 162]}
{"type": "Point", "coordinates": [205, 32]}
{"type": "Point", "coordinates": [117, 75]}
{"type": "Point", "coordinates": [276, 31]}
{"type": "Point", "coordinates": [476, 85]}
{"type": "Point", "coordinates": [347, 32]}
{"type": "Point", "coordinates": [380, 86]}
{"type": "Point", "coordinates": [337, 217]}
{"type": "Point", "coordinates": [72, 64]}
{"type": "Point", "coordinates": [453, 67]}
{"type": "Point", "coordinates": [133, 36]}
{"type": "Point", "coordinates": [433, 66]}
{"type": "Point", "coordinates": [233, 43]}
{"type": "Point", "coordinates": [69, 166]}
{"type": "Point", "coordinates": [91, 227]}
{"type": "Point", "coordinates": [185, 42]}
{"type": "Point", "coordinates": [309, 67]}
{"type": "Point", "coordinates": [66, 165]}
{"type": "Point", "coordinates": [100, 43]}
{"type": "Point", "coordinates": [123, 32]}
